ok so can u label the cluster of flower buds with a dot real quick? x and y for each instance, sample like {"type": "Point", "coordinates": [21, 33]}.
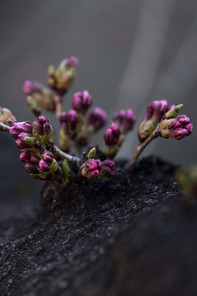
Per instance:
{"type": "Point", "coordinates": [154, 113]}
{"type": "Point", "coordinates": [125, 120]}
{"type": "Point", "coordinates": [81, 101]}
{"type": "Point", "coordinates": [176, 128]}
{"type": "Point", "coordinates": [96, 169]}
{"type": "Point", "coordinates": [22, 132]}
{"type": "Point", "coordinates": [35, 140]}
{"type": "Point", "coordinates": [42, 130]}
{"type": "Point", "coordinates": [96, 118]}
{"type": "Point", "coordinates": [38, 97]}
{"type": "Point", "coordinates": [62, 78]}
{"type": "Point", "coordinates": [32, 140]}
{"type": "Point", "coordinates": [6, 116]}
{"type": "Point", "coordinates": [39, 166]}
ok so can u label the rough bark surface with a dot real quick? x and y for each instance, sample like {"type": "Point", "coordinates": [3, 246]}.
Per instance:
{"type": "Point", "coordinates": [129, 235]}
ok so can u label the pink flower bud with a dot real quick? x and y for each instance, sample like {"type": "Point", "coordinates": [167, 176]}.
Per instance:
{"type": "Point", "coordinates": [34, 159]}
{"type": "Point", "coordinates": [156, 109]}
{"type": "Point", "coordinates": [43, 119]}
{"type": "Point", "coordinates": [20, 127]}
{"type": "Point", "coordinates": [62, 78]}
{"type": "Point", "coordinates": [97, 117]}
{"type": "Point", "coordinates": [81, 101]}
{"type": "Point", "coordinates": [70, 62]}
{"type": "Point", "coordinates": [73, 119]}
{"type": "Point", "coordinates": [125, 119]}
{"type": "Point", "coordinates": [93, 174]}
{"type": "Point", "coordinates": [109, 163]}
{"type": "Point", "coordinates": [30, 87]}
{"type": "Point", "coordinates": [31, 168]}
{"type": "Point", "coordinates": [25, 157]}
{"type": "Point", "coordinates": [47, 157]}
{"type": "Point", "coordinates": [92, 164]}
{"type": "Point", "coordinates": [44, 166]}
{"type": "Point", "coordinates": [112, 135]}
{"type": "Point", "coordinates": [108, 167]}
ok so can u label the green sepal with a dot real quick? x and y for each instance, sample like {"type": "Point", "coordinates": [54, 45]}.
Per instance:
{"type": "Point", "coordinates": [174, 111]}
{"type": "Point", "coordinates": [91, 153]}
{"type": "Point", "coordinates": [65, 170]}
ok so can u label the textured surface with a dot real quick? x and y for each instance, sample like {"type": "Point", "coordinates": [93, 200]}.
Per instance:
{"type": "Point", "coordinates": [129, 235]}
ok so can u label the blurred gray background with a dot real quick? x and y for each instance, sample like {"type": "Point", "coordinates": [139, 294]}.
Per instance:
{"type": "Point", "coordinates": [130, 52]}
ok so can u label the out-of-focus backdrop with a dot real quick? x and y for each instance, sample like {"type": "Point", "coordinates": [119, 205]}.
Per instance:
{"type": "Point", "coordinates": [130, 52]}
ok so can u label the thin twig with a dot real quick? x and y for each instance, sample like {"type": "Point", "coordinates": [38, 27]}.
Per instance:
{"type": "Point", "coordinates": [4, 127]}
{"type": "Point", "coordinates": [58, 152]}
{"type": "Point", "coordinates": [58, 105]}
{"type": "Point", "coordinates": [140, 149]}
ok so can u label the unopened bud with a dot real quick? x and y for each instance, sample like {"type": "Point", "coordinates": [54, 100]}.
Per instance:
{"type": "Point", "coordinates": [31, 168]}
{"type": "Point", "coordinates": [62, 78]}
{"type": "Point", "coordinates": [48, 157]}
{"type": "Point", "coordinates": [38, 96]}
{"type": "Point", "coordinates": [20, 127]}
{"type": "Point", "coordinates": [44, 166]}
{"type": "Point", "coordinates": [156, 109]}
{"type": "Point", "coordinates": [25, 157]}
{"type": "Point", "coordinates": [125, 119]}
{"type": "Point", "coordinates": [97, 118]}
{"type": "Point", "coordinates": [112, 135]}
{"type": "Point", "coordinates": [81, 101]}
{"type": "Point", "coordinates": [6, 116]}
{"type": "Point", "coordinates": [73, 119]}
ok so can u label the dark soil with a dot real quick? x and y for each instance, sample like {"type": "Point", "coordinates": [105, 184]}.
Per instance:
{"type": "Point", "coordinates": [129, 235]}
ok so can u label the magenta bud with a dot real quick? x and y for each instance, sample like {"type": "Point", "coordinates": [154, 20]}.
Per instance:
{"type": "Point", "coordinates": [21, 144]}
{"type": "Point", "coordinates": [20, 127]}
{"type": "Point", "coordinates": [125, 119]}
{"type": "Point", "coordinates": [97, 117]}
{"type": "Point", "coordinates": [92, 164]}
{"type": "Point", "coordinates": [93, 174]}
{"type": "Point", "coordinates": [183, 119]}
{"type": "Point", "coordinates": [46, 127]}
{"type": "Point", "coordinates": [43, 119]}
{"type": "Point", "coordinates": [47, 157]}
{"type": "Point", "coordinates": [107, 172]}
{"type": "Point", "coordinates": [73, 119]}
{"type": "Point", "coordinates": [112, 135]}
{"type": "Point", "coordinates": [109, 163]}
{"type": "Point", "coordinates": [71, 62]}
{"type": "Point", "coordinates": [62, 78]}
{"type": "Point", "coordinates": [44, 166]}
{"type": "Point", "coordinates": [178, 133]}
{"type": "Point", "coordinates": [31, 168]}
{"type": "Point", "coordinates": [63, 117]}
{"type": "Point", "coordinates": [81, 101]}
{"type": "Point", "coordinates": [30, 87]}
{"type": "Point", "coordinates": [25, 157]}
{"type": "Point", "coordinates": [35, 159]}
{"type": "Point", "coordinates": [189, 128]}
{"type": "Point", "coordinates": [156, 109]}
{"type": "Point", "coordinates": [37, 128]}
